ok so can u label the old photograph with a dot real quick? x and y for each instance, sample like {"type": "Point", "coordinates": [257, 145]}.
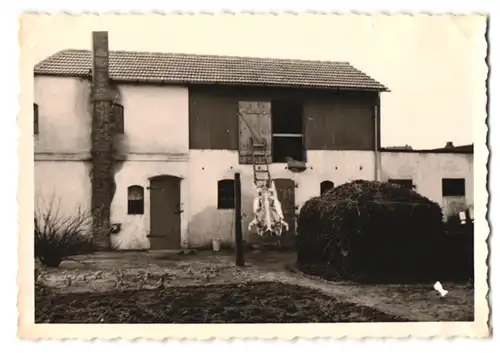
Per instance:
{"type": "Point", "coordinates": [254, 169]}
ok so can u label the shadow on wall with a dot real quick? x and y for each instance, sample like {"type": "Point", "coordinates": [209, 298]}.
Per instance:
{"type": "Point", "coordinates": [249, 236]}
{"type": "Point", "coordinates": [212, 223]}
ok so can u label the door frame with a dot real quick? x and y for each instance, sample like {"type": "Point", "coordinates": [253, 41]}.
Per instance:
{"type": "Point", "coordinates": [293, 227]}
{"type": "Point", "coordinates": [160, 177]}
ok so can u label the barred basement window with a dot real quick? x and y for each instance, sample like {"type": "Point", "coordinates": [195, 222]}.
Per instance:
{"type": "Point", "coordinates": [225, 194]}
{"type": "Point", "coordinates": [135, 199]}
{"type": "Point", "coordinates": [406, 183]}
{"type": "Point", "coordinates": [117, 112]}
{"type": "Point", "coordinates": [35, 118]}
{"type": "Point", "coordinates": [453, 187]}
{"type": "Point", "coordinates": [326, 186]}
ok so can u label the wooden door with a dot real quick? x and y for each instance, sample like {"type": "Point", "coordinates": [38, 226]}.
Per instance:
{"type": "Point", "coordinates": [254, 125]}
{"type": "Point", "coordinates": [286, 195]}
{"type": "Point", "coordinates": [165, 212]}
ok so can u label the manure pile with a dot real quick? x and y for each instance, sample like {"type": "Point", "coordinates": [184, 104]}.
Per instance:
{"type": "Point", "coordinates": [371, 231]}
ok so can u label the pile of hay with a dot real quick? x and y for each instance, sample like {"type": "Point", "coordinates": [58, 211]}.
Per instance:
{"type": "Point", "coordinates": [373, 231]}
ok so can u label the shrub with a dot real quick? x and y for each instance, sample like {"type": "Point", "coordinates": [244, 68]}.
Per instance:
{"type": "Point", "coordinates": [457, 250]}
{"type": "Point", "coordinates": [375, 231]}
{"type": "Point", "coordinates": [58, 237]}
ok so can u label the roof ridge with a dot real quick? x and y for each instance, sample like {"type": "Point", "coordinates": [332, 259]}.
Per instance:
{"type": "Point", "coordinates": [238, 57]}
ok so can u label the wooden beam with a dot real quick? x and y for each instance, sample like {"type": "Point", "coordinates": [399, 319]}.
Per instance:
{"type": "Point", "coordinates": [240, 258]}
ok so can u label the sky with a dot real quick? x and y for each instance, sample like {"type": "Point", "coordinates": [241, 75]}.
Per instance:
{"type": "Point", "coordinates": [433, 65]}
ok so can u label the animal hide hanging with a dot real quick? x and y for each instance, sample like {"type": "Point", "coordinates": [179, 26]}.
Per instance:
{"type": "Point", "coordinates": [268, 216]}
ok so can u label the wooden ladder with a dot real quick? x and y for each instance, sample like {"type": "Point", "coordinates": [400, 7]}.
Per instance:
{"type": "Point", "coordinates": [261, 173]}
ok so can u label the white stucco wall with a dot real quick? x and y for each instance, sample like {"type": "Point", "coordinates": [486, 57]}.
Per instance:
{"type": "Point", "coordinates": [201, 220]}
{"type": "Point", "coordinates": [207, 167]}
{"type": "Point", "coordinates": [155, 117]}
{"type": "Point", "coordinates": [66, 183]}
{"type": "Point", "coordinates": [135, 228]}
{"type": "Point", "coordinates": [64, 118]}
{"type": "Point", "coordinates": [428, 169]}
{"type": "Point", "coordinates": [61, 175]}
{"type": "Point", "coordinates": [156, 120]}
{"type": "Point", "coordinates": [156, 142]}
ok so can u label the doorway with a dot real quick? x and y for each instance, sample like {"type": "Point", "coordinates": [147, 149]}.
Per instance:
{"type": "Point", "coordinates": [285, 189]}
{"type": "Point", "coordinates": [165, 212]}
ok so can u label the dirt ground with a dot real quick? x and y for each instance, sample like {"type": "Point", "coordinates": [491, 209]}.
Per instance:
{"type": "Point", "coordinates": [262, 302]}
{"type": "Point", "coordinates": [139, 272]}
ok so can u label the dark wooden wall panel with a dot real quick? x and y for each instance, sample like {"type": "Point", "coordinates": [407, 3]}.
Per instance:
{"type": "Point", "coordinates": [213, 120]}
{"type": "Point", "coordinates": [340, 124]}
{"type": "Point", "coordinates": [333, 120]}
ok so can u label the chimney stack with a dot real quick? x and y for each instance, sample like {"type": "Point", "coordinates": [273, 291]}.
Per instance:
{"type": "Point", "coordinates": [101, 149]}
{"type": "Point", "coordinates": [449, 144]}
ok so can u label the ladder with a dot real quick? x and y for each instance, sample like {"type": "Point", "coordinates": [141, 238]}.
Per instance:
{"type": "Point", "coordinates": [261, 174]}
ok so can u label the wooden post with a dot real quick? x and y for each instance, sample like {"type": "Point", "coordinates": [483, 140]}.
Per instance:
{"type": "Point", "coordinates": [240, 259]}
{"type": "Point", "coordinates": [377, 139]}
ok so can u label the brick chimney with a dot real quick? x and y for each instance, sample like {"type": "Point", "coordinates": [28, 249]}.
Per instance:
{"type": "Point", "coordinates": [101, 150]}
{"type": "Point", "coordinates": [449, 144]}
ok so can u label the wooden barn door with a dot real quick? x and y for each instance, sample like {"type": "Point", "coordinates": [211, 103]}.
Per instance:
{"type": "Point", "coordinates": [254, 125]}
{"type": "Point", "coordinates": [286, 195]}
{"type": "Point", "coordinates": [165, 212]}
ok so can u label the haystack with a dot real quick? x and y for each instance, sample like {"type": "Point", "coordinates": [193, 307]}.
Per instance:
{"type": "Point", "coordinates": [370, 230]}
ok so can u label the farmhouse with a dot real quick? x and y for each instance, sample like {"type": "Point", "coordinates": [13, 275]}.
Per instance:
{"type": "Point", "coordinates": [182, 125]}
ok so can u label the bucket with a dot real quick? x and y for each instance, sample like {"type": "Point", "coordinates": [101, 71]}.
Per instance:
{"type": "Point", "coordinates": [216, 244]}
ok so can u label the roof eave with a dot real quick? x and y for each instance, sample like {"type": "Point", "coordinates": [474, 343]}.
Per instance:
{"type": "Point", "coordinates": [436, 151]}
{"type": "Point", "coordinates": [146, 81]}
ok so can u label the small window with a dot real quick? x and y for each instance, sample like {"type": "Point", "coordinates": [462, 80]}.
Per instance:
{"type": "Point", "coordinates": [325, 186]}
{"type": "Point", "coordinates": [406, 183]}
{"type": "Point", "coordinates": [453, 187]}
{"type": "Point", "coordinates": [35, 119]}
{"type": "Point", "coordinates": [117, 113]}
{"type": "Point", "coordinates": [135, 199]}
{"type": "Point", "coordinates": [225, 194]}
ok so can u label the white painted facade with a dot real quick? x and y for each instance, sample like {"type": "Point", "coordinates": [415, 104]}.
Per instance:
{"type": "Point", "coordinates": [156, 142]}
{"type": "Point", "coordinates": [62, 184]}
{"type": "Point", "coordinates": [428, 169]}
{"type": "Point", "coordinates": [62, 146]}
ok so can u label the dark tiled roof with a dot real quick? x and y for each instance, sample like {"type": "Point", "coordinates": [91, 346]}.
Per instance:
{"type": "Point", "coordinates": [456, 149]}
{"type": "Point", "coordinates": [132, 66]}
{"type": "Point", "coordinates": [465, 149]}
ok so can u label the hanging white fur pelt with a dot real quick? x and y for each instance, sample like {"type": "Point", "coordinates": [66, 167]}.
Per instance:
{"type": "Point", "coordinates": [267, 213]}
